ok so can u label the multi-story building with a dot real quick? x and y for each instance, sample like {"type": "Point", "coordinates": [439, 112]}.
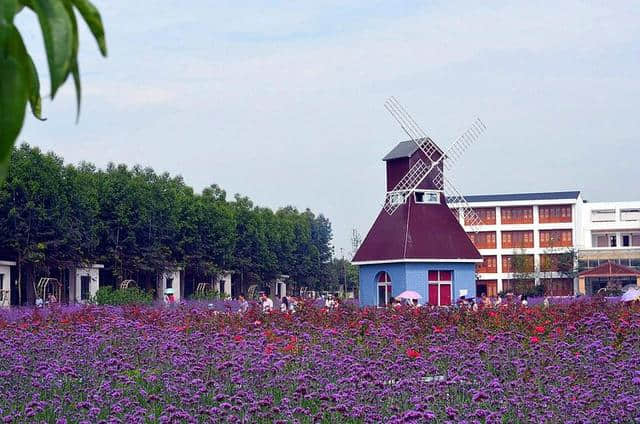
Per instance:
{"type": "Point", "coordinates": [528, 239]}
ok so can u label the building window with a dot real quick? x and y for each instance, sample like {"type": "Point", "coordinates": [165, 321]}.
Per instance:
{"type": "Point", "coordinates": [483, 239]}
{"type": "Point", "coordinates": [85, 282]}
{"type": "Point", "coordinates": [556, 238]}
{"type": "Point", "coordinates": [427, 197]}
{"type": "Point", "coordinates": [517, 286]}
{"type": "Point", "coordinates": [556, 262]}
{"type": "Point", "coordinates": [440, 285]}
{"type": "Point", "coordinates": [384, 288]}
{"type": "Point", "coordinates": [489, 264]}
{"type": "Point", "coordinates": [555, 213]}
{"type": "Point", "coordinates": [557, 286]}
{"type": "Point", "coordinates": [169, 283]}
{"type": "Point", "coordinates": [517, 215]}
{"type": "Point", "coordinates": [486, 215]}
{"type": "Point", "coordinates": [517, 263]}
{"type": "Point", "coordinates": [513, 239]}
{"type": "Point", "coordinates": [599, 240]}
{"type": "Point", "coordinates": [630, 214]}
{"type": "Point", "coordinates": [612, 241]}
{"type": "Point", "coordinates": [603, 215]}
{"type": "Point", "coordinates": [487, 287]}
{"type": "Point", "coordinates": [397, 198]}
{"type": "Point", "coordinates": [626, 240]}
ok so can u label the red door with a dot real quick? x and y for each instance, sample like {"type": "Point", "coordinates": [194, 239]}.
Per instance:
{"type": "Point", "coordinates": [433, 294]}
{"type": "Point", "coordinates": [445, 294]}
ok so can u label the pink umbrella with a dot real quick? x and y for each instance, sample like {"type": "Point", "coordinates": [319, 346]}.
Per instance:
{"type": "Point", "coordinates": [409, 294]}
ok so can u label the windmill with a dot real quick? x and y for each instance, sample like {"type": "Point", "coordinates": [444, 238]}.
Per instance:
{"type": "Point", "coordinates": [434, 158]}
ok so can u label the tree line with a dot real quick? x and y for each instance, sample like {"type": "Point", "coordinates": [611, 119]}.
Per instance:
{"type": "Point", "coordinates": [140, 223]}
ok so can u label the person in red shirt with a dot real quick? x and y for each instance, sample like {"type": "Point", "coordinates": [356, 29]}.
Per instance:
{"type": "Point", "coordinates": [169, 298]}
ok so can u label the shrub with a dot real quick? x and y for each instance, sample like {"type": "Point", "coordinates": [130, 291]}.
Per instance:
{"type": "Point", "coordinates": [129, 296]}
{"type": "Point", "coordinates": [209, 295]}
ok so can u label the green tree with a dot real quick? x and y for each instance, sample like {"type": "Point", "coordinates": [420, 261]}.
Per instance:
{"type": "Point", "coordinates": [19, 82]}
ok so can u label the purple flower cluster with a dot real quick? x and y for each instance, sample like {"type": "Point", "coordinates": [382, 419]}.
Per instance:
{"type": "Point", "coordinates": [571, 363]}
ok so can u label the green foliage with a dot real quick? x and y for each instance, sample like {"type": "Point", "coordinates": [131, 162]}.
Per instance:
{"type": "Point", "coordinates": [19, 82]}
{"type": "Point", "coordinates": [209, 295]}
{"type": "Point", "coordinates": [129, 296]}
{"type": "Point", "coordinates": [139, 223]}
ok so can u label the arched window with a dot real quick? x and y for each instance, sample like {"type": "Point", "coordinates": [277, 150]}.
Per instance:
{"type": "Point", "coordinates": [383, 280]}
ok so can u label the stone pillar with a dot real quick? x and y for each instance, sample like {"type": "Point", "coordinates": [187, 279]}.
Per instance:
{"type": "Point", "coordinates": [582, 289]}
{"type": "Point", "coordinates": [638, 281]}
{"type": "Point", "coordinates": [227, 284]}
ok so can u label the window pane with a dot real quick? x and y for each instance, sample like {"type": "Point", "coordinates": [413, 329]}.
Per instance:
{"type": "Point", "coordinates": [445, 276]}
{"type": "Point", "coordinates": [433, 275]}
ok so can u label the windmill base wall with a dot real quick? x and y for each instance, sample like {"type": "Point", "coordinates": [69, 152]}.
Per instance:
{"type": "Point", "coordinates": [414, 276]}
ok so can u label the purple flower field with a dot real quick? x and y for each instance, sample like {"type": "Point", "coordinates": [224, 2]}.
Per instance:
{"type": "Point", "coordinates": [572, 363]}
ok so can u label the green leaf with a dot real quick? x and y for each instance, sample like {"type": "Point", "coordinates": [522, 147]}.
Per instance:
{"type": "Point", "coordinates": [34, 90]}
{"type": "Point", "coordinates": [92, 17]}
{"type": "Point", "coordinates": [8, 9]}
{"type": "Point", "coordinates": [57, 31]}
{"type": "Point", "coordinates": [76, 82]}
{"type": "Point", "coordinates": [75, 71]}
{"type": "Point", "coordinates": [13, 103]}
{"type": "Point", "coordinates": [13, 46]}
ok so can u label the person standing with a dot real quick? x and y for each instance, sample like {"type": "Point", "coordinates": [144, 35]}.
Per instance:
{"type": "Point", "coordinates": [267, 304]}
{"type": "Point", "coordinates": [284, 304]}
{"type": "Point", "coordinates": [244, 305]}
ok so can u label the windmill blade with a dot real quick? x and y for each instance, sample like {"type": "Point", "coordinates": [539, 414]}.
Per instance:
{"type": "Point", "coordinates": [463, 142]}
{"type": "Point", "coordinates": [412, 129]}
{"type": "Point", "coordinates": [469, 216]}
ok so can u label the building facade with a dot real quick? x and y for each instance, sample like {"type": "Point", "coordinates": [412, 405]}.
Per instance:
{"type": "Point", "coordinates": [529, 239]}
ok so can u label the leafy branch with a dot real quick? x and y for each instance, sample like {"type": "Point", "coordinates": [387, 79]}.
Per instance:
{"type": "Point", "coordinates": [19, 81]}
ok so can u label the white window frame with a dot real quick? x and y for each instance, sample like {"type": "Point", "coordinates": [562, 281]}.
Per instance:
{"type": "Point", "coordinates": [603, 215]}
{"type": "Point", "coordinates": [386, 285]}
{"type": "Point", "coordinates": [425, 194]}
{"type": "Point", "coordinates": [630, 214]}
{"type": "Point", "coordinates": [439, 282]}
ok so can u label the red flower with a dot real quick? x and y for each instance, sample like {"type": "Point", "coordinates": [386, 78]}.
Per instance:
{"type": "Point", "coordinates": [290, 347]}
{"type": "Point", "coordinates": [238, 338]}
{"type": "Point", "coordinates": [540, 329]}
{"type": "Point", "coordinates": [413, 354]}
{"type": "Point", "coordinates": [437, 329]}
{"type": "Point", "coordinates": [534, 339]}
{"type": "Point", "coordinates": [493, 314]}
{"type": "Point", "coordinates": [268, 349]}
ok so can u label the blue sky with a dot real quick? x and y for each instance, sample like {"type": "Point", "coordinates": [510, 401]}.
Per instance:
{"type": "Point", "coordinates": [282, 101]}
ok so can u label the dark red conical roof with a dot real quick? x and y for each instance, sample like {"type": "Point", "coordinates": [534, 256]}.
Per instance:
{"type": "Point", "coordinates": [417, 232]}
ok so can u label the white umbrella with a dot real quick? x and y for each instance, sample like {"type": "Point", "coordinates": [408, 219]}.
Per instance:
{"type": "Point", "coordinates": [409, 294]}
{"type": "Point", "coordinates": [631, 295]}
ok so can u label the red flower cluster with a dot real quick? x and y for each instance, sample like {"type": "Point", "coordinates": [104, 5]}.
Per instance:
{"type": "Point", "coordinates": [413, 354]}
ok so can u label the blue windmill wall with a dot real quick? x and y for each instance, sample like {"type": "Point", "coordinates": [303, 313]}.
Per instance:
{"type": "Point", "coordinates": [413, 276]}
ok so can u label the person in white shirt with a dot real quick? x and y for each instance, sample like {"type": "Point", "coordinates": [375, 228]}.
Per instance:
{"type": "Point", "coordinates": [267, 304]}
{"type": "Point", "coordinates": [329, 303]}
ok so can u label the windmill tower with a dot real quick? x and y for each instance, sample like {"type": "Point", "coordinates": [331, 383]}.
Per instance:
{"type": "Point", "coordinates": [416, 242]}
